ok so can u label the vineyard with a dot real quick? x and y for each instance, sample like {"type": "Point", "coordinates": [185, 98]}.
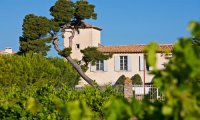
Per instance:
{"type": "Point", "coordinates": [35, 87]}
{"type": "Point", "coordinates": [29, 92]}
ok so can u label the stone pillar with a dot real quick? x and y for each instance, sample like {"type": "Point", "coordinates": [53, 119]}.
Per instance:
{"type": "Point", "coordinates": [128, 92]}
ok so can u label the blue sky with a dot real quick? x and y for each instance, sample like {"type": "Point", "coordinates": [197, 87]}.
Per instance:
{"type": "Point", "coordinates": [123, 22]}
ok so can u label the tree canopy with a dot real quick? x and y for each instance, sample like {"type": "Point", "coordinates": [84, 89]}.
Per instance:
{"type": "Point", "coordinates": [33, 69]}
{"type": "Point", "coordinates": [37, 31]}
{"type": "Point", "coordinates": [33, 28]}
{"type": "Point", "coordinates": [136, 79]}
{"type": "Point", "coordinates": [195, 31]}
{"type": "Point", "coordinates": [68, 12]}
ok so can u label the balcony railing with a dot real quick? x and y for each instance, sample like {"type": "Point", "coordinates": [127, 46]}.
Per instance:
{"type": "Point", "coordinates": [149, 91]}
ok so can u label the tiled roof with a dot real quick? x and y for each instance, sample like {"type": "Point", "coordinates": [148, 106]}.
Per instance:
{"type": "Point", "coordinates": [91, 26]}
{"type": "Point", "coordinates": [133, 48]}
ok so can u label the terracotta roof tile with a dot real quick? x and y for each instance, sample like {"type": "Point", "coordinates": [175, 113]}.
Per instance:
{"type": "Point", "coordinates": [133, 48]}
{"type": "Point", "coordinates": [91, 26]}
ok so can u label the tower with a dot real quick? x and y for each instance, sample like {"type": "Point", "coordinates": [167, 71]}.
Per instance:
{"type": "Point", "coordinates": [87, 37]}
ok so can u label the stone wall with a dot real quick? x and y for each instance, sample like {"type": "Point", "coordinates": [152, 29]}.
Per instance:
{"type": "Point", "coordinates": [128, 92]}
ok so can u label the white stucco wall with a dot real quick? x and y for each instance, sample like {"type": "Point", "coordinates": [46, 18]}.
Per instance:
{"type": "Point", "coordinates": [91, 37]}
{"type": "Point", "coordinates": [111, 75]}
{"type": "Point", "coordinates": [96, 37]}
{"type": "Point", "coordinates": [86, 37]}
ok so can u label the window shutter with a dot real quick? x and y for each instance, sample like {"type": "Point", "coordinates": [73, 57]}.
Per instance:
{"type": "Point", "coordinates": [141, 63]}
{"type": "Point", "coordinates": [92, 68]}
{"type": "Point", "coordinates": [129, 63]}
{"type": "Point", "coordinates": [105, 65]}
{"type": "Point", "coordinates": [117, 63]}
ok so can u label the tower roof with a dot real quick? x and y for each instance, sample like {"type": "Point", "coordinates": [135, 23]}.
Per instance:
{"type": "Point", "coordinates": [86, 25]}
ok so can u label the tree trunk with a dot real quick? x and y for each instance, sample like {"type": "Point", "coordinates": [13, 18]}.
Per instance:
{"type": "Point", "coordinates": [75, 65]}
{"type": "Point", "coordinates": [80, 71]}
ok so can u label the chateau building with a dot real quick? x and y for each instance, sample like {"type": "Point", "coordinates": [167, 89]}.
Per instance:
{"type": "Point", "coordinates": [126, 60]}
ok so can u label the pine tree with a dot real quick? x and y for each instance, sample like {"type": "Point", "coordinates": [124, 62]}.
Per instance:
{"type": "Point", "coordinates": [34, 27]}
{"type": "Point", "coordinates": [66, 15]}
{"type": "Point", "coordinates": [70, 15]}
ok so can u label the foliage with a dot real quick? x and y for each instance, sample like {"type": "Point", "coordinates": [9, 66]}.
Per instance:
{"type": "Point", "coordinates": [37, 31]}
{"type": "Point", "coordinates": [35, 26]}
{"type": "Point", "coordinates": [117, 109]}
{"type": "Point", "coordinates": [120, 80]}
{"type": "Point", "coordinates": [179, 83]}
{"type": "Point", "coordinates": [33, 29]}
{"type": "Point", "coordinates": [182, 75]}
{"type": "Point", "coordinates": [194, 27]}
{"type": "Point", "coordinates": [65, 52]}
{"type": "Point", "coordinates": [91, 54]}
{"type": "Point", "coordinates": [136, 79]}
{"type": "Point", "coordinates": [151, 54]}
{"type": "Point", "coordinates": [68, 12]}
{"type": "Point", "coordinates": [195, 31]}
{"type": "Point", "coordinates": [36, 70]}
{"type": "Point", "coordinates": [34, 87]}
{"type": "Point", "coordinates": [62, 11]}
{"type": "Point", "coordinates": [119, 84]}
{"type": "Point", "coordinates": [52, 103]}
{"type": "Point", "coordinates": [84, 10]}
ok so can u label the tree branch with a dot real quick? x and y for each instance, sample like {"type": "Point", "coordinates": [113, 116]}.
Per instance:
{"type": "Point", "coordinates": [75, 65]}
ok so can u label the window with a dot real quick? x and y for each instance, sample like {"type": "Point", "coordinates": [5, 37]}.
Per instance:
{"type": "Point", "coordinates": [123, 63]}
{"type": "Point", "coordinates": [78, 46]}
{"type": "Point", "coordinates": [100, 65]}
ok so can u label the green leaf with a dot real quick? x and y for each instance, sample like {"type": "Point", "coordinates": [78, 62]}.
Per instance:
{"type": "Point", "coordinates": [167, 110]}
{"type": "Point", "coordinates": [151, 54]}
{"type": "Point", "coordinates": [192, 25]}
{"type": "Point", "coordinates": [33, 105]}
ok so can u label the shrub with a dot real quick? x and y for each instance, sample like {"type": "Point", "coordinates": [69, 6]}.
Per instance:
{"type": "Point", "coordinates": [136, 79]}
{"type": "Point", "coordinates": [120, 80]}
{"type": "Point", "coordinates": [49, 102]}
{"type": "Point", "coordinates": [34, 69]}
